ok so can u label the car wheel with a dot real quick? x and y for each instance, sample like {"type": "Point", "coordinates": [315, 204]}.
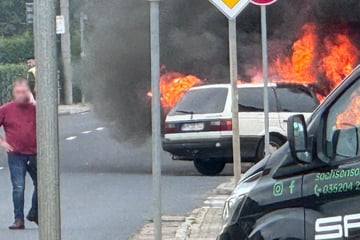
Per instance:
{"type": "Point", "coordinates": [209, 167]}
{"type": "Point", "coordinates": [275, 143]}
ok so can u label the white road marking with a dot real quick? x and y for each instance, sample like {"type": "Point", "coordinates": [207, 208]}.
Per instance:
{"type": "Point", "coordinates": [217, 201]}
{"type": "Point", "coordinates": [71, 138]}
{"type": "Point", "coordinates": [84, 132]}
{"type": "Point", "coordinates": [214, 203]}
{"type": "Point", "coordinates": [219, 197]}
{"type": "Point", "coordinates": [1, 168]}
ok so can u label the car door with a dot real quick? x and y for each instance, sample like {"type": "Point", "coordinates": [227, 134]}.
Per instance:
{"type": "Point", "coordinates": [331, 193]}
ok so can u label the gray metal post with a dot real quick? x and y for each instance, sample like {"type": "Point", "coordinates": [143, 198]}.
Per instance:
{"type": "Point", "coordinates": [66, 53]}
{"type": "Point", "coordinates": [235, 104]}
{"type": "Point", "coordinates": [82, 33]}
{"type": "Point", "coordinates": [265, 77]}
{"type": "Point", "coordinates": [82, 54]}
{"type": "Point", "coordinates": [156, 115]}
{"type": "Point", "coordinates": [47, 121]}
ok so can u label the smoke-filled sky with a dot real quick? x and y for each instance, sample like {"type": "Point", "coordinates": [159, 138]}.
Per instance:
{"type": "Point", "coordinates": [194, 40]}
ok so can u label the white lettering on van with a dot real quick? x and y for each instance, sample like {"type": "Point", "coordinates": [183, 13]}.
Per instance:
{"type": "Point", "coordinates": [336, 227]}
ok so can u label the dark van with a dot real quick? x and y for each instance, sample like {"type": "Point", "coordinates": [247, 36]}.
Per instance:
{"type": "Point", "coordinates": [309, 188]}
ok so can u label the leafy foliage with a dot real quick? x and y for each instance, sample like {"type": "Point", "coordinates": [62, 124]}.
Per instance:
{"type": "Point", "coordinates": [8, 73]}
{"type": "Point", "coordinates": [12, 17]}
{"type": "Point", "coordinates": [16, 49]}
{"type": "Point", "coordinates": [17, 42]}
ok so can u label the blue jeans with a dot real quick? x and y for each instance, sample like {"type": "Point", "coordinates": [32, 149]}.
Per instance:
{"type": "Point", "coordinates": [19, 164]}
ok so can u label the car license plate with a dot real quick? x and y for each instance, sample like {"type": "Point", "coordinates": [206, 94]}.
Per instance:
{"type": "Point", "coordinates": [192, 127]}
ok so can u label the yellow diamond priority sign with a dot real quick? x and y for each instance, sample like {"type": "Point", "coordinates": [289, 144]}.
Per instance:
{"type": "Point", "coordinates": [231, 3]}
{"type": "Point", "coordinates": [231, 8]}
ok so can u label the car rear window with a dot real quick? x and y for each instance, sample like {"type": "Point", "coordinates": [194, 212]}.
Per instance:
{"type": "Point", "coordinates": [252, 100]}
{"type": "Point", "coordinates": [201, 101]}
{"type": "Point", "coordinates": [296, 100]}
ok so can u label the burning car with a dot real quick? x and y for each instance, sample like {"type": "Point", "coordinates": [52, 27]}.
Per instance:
{"type": "Point", "coordinates": [199, 127]}
{"type": "Point", "coordinates": [317, 60]}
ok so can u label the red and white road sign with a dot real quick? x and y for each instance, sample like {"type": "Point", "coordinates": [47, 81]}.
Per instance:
{"type": "Point", "coordinates": [263, 2]}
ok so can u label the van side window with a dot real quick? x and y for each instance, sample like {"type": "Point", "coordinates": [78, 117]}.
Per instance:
{"type": "Point", "coordinates": [343, 125]}
{"type": "Point", "coordinates": [293, 99]}
{"type": "Point", "coordinates": [252, 100]}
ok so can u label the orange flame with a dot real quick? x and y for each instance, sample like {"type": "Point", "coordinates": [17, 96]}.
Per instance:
{"type": "Point", "coordinates": [299, 68]}
{"type": "Point", "coordinates": [320, 97]}
{"type": "Point", "coordinates": [307, 63]}
{"type": "Point", "coordinates": [312, 60]}
{"type": "Point", "coordinates": [173, 85]}
{"type": "Point", "coordinates": [333, 57]}
{"type": "Point", "coordinates": [351, 116]}
{"type": "Point", "coordinates": [340, 59]}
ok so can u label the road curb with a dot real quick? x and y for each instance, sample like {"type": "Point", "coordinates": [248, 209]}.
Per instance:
{"type": "Point", "coordinates": [73, 109]}
{"type": "Point", "coordinates": [66, 113]}
{"type": "Point", "coordinates": [184, 231]}
{"type": "Point", "coordinates": [206, 222]}
{"type": "Point", "coordinates": [202, 223]}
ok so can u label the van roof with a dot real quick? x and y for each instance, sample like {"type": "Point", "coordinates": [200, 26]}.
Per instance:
{"type": "Point", "coordinates": [248, 85]}
{"type": "Point", "coordinates": [227, 85]}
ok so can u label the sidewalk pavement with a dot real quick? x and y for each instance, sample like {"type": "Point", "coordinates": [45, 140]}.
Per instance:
{"type": "Point", "coordinates": [202, 223]}
{"type": "Point", "coordinates": [74, 109]}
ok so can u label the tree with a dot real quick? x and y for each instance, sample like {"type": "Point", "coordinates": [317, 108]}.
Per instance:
{"type": "Point", "coordinates": [12, 17]}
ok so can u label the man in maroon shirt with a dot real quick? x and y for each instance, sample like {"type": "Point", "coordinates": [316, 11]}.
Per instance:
{"type": "Point", "coordinates": [18, 118]}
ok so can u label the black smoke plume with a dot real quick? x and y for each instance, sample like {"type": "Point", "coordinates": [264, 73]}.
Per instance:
{"type": "Point", "coordinates": [194, 39]}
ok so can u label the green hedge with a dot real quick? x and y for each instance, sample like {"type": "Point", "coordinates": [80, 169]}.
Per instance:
{"type": "Point", "coordinates": [8, 73]}
{"type": "Point", "coordinates": [16, 49]}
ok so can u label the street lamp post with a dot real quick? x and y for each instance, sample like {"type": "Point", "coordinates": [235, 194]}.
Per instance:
{"type": "Point", "coordinates": [266, 79]}
{"type": "Point", "coordinates": [66, 53]}
{"type": "Point", "coordinates": [47, 120]}
{"type": "Point", "coordinates": [156, 115]}
{"type": "Point", "coordinates": [235, 103]}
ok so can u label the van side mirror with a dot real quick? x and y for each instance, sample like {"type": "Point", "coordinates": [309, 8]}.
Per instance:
{"type": "Point", "coordinates": [345, 143]}
{"type": "Point", "coordinates": [298, 139]}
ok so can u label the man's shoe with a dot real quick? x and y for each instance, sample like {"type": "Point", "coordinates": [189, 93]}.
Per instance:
{"type": "Point", "coordinates": [17, 225]}
{"type": "Point", "coordinates": [33, 219]}
{"type": "Point", "coordinates": [33, 216]}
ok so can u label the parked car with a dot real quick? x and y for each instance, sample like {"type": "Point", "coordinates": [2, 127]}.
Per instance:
{"type": "Point", "coordinates": [310, 188]}
{"type": "Point", "coordinates": [199, 127]}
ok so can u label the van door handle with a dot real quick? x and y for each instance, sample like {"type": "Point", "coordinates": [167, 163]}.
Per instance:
{"type": "Point", "coordinates": [285, 121]}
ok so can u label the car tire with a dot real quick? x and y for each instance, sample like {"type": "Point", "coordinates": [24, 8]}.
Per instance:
{"type": "Point", "coordinates": [209, 167]}
{"type": "Point", "coordinates": [275, 141]}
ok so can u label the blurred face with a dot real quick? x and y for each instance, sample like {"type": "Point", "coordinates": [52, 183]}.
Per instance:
{"type": "Point", "coordinates": [30, 63]}
{"type": "Point", "coordinates": [21, 93]}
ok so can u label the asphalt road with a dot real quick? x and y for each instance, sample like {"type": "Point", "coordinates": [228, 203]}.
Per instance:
{"type": "Point", "coordinates": [106, 185]}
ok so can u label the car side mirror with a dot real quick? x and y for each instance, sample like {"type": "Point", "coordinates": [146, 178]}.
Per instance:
{"type": "Point", "coordinates": [345, 143]}
{"type": "Point", "coordinates": [298, 139]}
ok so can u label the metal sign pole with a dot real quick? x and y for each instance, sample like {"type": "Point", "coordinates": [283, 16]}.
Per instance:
{"type": "Point", "coordinates": [234, 94]}
{"type": "Point", "coordinates": [47, 120]}
{"type": "Point", "coordinates": [232, 9]}
{"type": "Point", "coordinates": [66, 53]}
{"type": "Point", "coordinates": [156, 115]}
{"type": "Point", "coordinates": [265, 77]}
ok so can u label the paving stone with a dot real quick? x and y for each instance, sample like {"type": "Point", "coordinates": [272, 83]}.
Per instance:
{"type": "Point", "coordinates": [202, 224]}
